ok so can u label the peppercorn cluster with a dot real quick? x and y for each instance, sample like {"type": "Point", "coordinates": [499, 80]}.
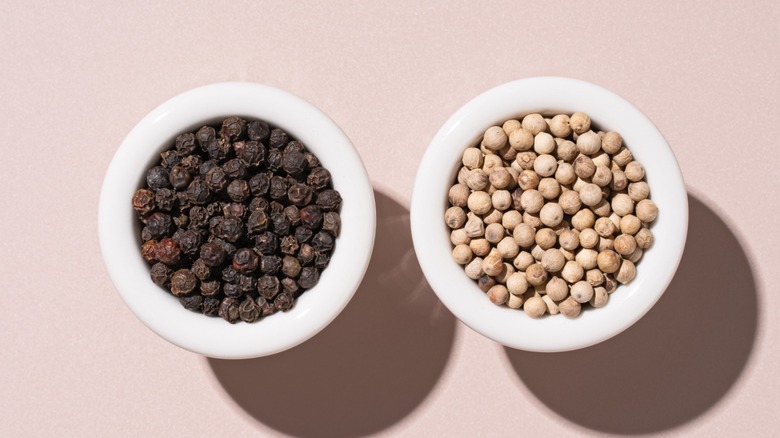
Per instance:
{"type": "Point", "coordinates": [238, 219]}
{"type": "Point", "coordinates": [549, 215]}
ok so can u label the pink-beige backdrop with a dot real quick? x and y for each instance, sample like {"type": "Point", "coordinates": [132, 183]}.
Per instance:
{"type": "Point", "coordinates": [76, 77]}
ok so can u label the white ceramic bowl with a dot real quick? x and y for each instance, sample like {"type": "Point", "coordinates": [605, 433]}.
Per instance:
{"type": "Point", "coordinates": [120, 240]}
{"type": "Point", "coordinates": [548, 95]}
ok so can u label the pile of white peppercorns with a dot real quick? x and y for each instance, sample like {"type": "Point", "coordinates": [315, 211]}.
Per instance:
{"type": "Point", "coordinates": [548, 214]}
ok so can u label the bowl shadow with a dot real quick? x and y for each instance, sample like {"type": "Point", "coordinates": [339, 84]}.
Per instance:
{"type": "Point", "coordinates": [675, 363]}
{"type": "Point", "coordinates": [373, 365]}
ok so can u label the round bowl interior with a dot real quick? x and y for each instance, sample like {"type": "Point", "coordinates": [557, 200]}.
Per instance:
{"type": "Point", "coordinates": [119, 229]}
{"type": "Point", "coordinates": [548, 95]}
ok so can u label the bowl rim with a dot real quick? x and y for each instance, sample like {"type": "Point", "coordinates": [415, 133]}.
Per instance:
{"type": "Point", "coordinates": [547, 94]}
{"type": "Point", "coordinates": [161, 312]}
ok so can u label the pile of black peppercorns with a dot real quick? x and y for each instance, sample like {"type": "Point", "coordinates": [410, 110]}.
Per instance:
{"type": "Point", "coordinates": [238, 220]}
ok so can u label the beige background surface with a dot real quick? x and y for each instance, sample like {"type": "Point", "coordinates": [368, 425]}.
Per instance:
{"type": "Point", "coordinates": [77, 77]}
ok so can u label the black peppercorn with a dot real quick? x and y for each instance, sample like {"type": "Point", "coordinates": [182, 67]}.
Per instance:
{"type": "Point", "coordinates": [275, 207]}
{"type": "Point", "coordinates": [210, 288]}
{"type": "Point", "coordinates": [216, 179]}
{"type": "Point", "coordinates": [238, 190]}
{"type": "Point", "coordinates": [309, 277]}
{"type": "Point", "coordinates": [260, 183]}
{"type": "Point", "coordinates": [293, 162]}
{"type": "Point", "coordinates": [193, 303]}
{"type": "Point", "coordinates": [258, 130]}
{"type": "Point", "coordinates": [180, 177]}
{"type": "Point", "coordinates": [229, 274]}
{"type": "Point", "coordinates": [165, 199]}
{"type": "Point", "coordinates": [188, 240]}
{"type": "Point", "coordinates": [233, 128]}
{"type": "Point", "coordinates": [205, 136]}
{"type": "Point", "coordinates": [278, 189]}
{"type": "Point", "coordinates": [311, 216]}
{"type": "Point", "coordinates": [161, 274]}
{"type": "Point", "coordinates": [253, 153]}
{"type": "Point", "coordinates": [211, 306]}
{"type": "Point", "coordinates": [257, 223]}
{"type": "Point", "coordinates": [280, 224]}
{"type": "Point", "coordinates": [245, 261]}
{"type": "Point", "coordinates": [331, 222]}
{"type": "Point", "coordinates": [247, 284]}
{"type": "Point", "coordinates": [300, 194]}
{"type": "Point", "coordinates": [212, 254]}
{"type": "Point", "coordinates": [167, 251]}
{"type": "Point", "coordinates": [266, 307]}
{"type": "Point", "coordinates": [249, 311]}
{"type": "Point", "coordinates": [201, 270]}
{"type": "Point", "coordinates": [289, 245]}
{"type": "Point", "coordinates": [198, 192]}
{"type": "Point", "coordinates": [235, 168]}
{"type": "Point", "coordinates": [266, 243]}
{"type": "Point", "coordinates": [157, 178]}
{"type": "Point", "coordinates": [234, 209]}
{"type": "Point", "coordinates": [329, 199]}
{"type": "Point", "coordinates": [185, 143]}
{"type": "Point", "coordinates": [291, 267]}
{"type": "Point", "coordinates": [231, 290]}
{"type": "Point", "coordinates": [206, 166]}
{"type": "Point", "coordinates": [258, 203]}
{"type": "Point", "coordinates": [270, 264]}
{"type": "Point", "coordinates": [199, 217]}
{"type": "Point", "coordinates": [311, 160]}
{"type": "Point", "coordinates": [218, 149]}
{"type": "Point", "coordinates": [290, 286]}
{"type": "Point", "coordinates": [306, 254]}
{"type": "Point", "coordinates": [229, 248]}
{"type": "Point", "coordinates": [303, 234]}
{"type": "Point", "coordinates": [191, 163]}
{"type": "Point", "coordinates": [157, 225]}
{"type": "Point", "coordinates": [147, 251]}
{"type": "Point", "coordinates": [228, 310]}
{"type": "Point", "coordinates": [318, 178]}
{"type": "Point", "coordinates": [274, 160]}
{"type": "Point", "coordinates": [143, 201]}
{"type": "Point", "coordinates": [321, 260]}
{"type": "Point", "coordinates": [278, 139]}
{"type": "Point", "coordinates": [169, 159]}
{"type": "Point", "coordinates": [283, 301]}
{"type": "Point", "coordinates": [322, 241]}
{"type": "Point", "coordinates": [183, 282]}
{"type": "Point", "coordinates": [230, 229]}
{"type": "Point", "coordinates": [268, 286]}
{"type": "Point", "coordinates": [293, 215]}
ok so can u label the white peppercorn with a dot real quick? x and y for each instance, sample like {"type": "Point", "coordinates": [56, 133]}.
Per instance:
{"type": "Point", "coordinates": [508, 153]}
{"type": "Point", "coordinates": [589, 238]}
{"type": "Point", "coordinates": [491, 162]}
{"type": "Point", "coordinates": [494, 216]}
{"type": "Point", "coordinates": [608, 261]}
{"type": "Point", "coordinates": [514, 301]}
{"type": "Point", "coordinates": [508, 248]}
{"type": "Point", "coordinates": [644, 238]}
{"type": "Point", "coordinates": [552, 260]}
{"type": "Point", "coordinates": [534, 123]}
{"type": "Point", "coordinates": [582, 291]}
{"type": "Point", "coordinates": [532, 201]}
{"type": "Point", "coordinates": [459, 236]}
{"type": "Point", "coordinates": [480, 247]}
{"type": "Point", "coordinates": [604, 227]}
{"type": "Point", "coordinates": [494, 138]}
{"type": "Point", "coordinates": [588, 143]}
{"type": "Point", "coordinates": [510, 126]}
{"type": "Point", "coordinates": [511, 219]}
{"type": "Point", "coordinates": [477, 180]}
{"type": "Point", "coordinates": [587, 258]}
{"type": "Point", "coordinates": [545, 165]}
{"type": "Point", "coordinates": [551, 214]}
{"type": "Point", "coordinates": [549, 188]}
{"type": "Point", "coordinates": [610, 284]}
{"type": "Point", "coordinates": [602, 159]}
{"type": "Point", "coordinates": [594, 277]}
{"type": "Point", "coordinates": [532, 219]}
{"type": "Point", "coordinates": [569, 307]}
{"type": "Point", "coordinates": [462, 254]}
{"type": "Point", "coordinates": [646, 211]}
{"type": "Point", "coordinates": [498, 294]}
{"type": "Point", "coordinates": [623, 157]}
{"type": "Point", "coordinates": [612, 142]}
{"type": "Point", "coordinates": [572, 272]}
{"type": "Point", "coordinates": [505, 273]}
{"type": "Point", "coordinates": [579, 122]}
{"type": "Point", "coordinates": [630, 224]}
{"type": "Point", "coordinates": [602, 176]}
{"type": "Point", "coordinates": [634, 171]}
{"type": "Point", "coordinates": [579, 184]}
{"type": "Point", "coordinates": [524, 235]}
{"type": "Point", "coordinates": [528, 180]}
{"type": "Point", "coordinates": [485, 282]}
{"type": "Point", "coordinates": [622, 204]}
{"type": "Point", "coordinates": [526, 159]}
{"type": "Point", "coordinates": [545, 238]}
{"type": "Point", "coordinates": [523, 260]}
{"type": "Point", "coordinates": [583, 219]}
{"type": "Point", "coordinates": [638, 191]}
{"type": "Point", "coordinates": [544, 143]}
{"type": "Point", "coordinates": [494, 232]}
{"type": "Point", "coordinates": [565, 174]}
{"type": "Point", "coordinates": [534, 307]}
{"type": "Point", "coordinates": [472, 158]}
{"type": "Point", "coordinates": [615, 219]}
{"type": "Point", "coordinates": [463, 175]}
{"type": "Point", "coordinates": [536, 275]}
{"type": "Point", "coordinates": [479, 202]}
{"type": "Point", "coordinates": [584, 167]}
{"type": "Point", "coordinates": [602, 209]}
{"type": "Point", "coordinates": [516, 283]}
{"type": "Point", "coordinates": [492, 265]}
{"type": "Point", "coordinates": [570, 202]}
{"type": "Point", "coordinates": [569, 239]}
{"type": "Point", "coordinates": [590, 195]}
{"type": "Point", "coordinates": [619, 180]}
{"type": "Point", "coordinates": [521, 140]}
{"type": "Point", "coordinates": [635, 256]}
{"type": "Point", "coordinates": [474, 268]}
{"type": "Point", "coordinates": [559, 126]}
{"type": "Point", "coordinates": [552, 308]}
{"type": "Point", "coordinates": [458, 195]}
{"type": "Point", "coordinates": [500, 178]}
{"type": "Point", "coordinates": [557, 289]}
{"type": "Point", "coordinates": [605, 244]}
{"type": "Point", "coordinates": [566, 151]}
{"type": "Point", "coordinates": [600, 297]}
{"type": "Point", "coordinates": [625, 244]}
{"type": "Point", "coordinates": [501, 200]}
{"type": "Point", "coordinates": [455, 217]}
{"type": "Point", "coordinates": [626, 273]}
{"type": "Point", "coordinates": [537, 251]}
{"type": "Point", "coordinates": [474, 226]}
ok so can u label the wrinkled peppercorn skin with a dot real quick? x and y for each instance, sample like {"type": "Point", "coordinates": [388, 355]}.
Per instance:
{"type": "Point", "coordinates": [237, 219]}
